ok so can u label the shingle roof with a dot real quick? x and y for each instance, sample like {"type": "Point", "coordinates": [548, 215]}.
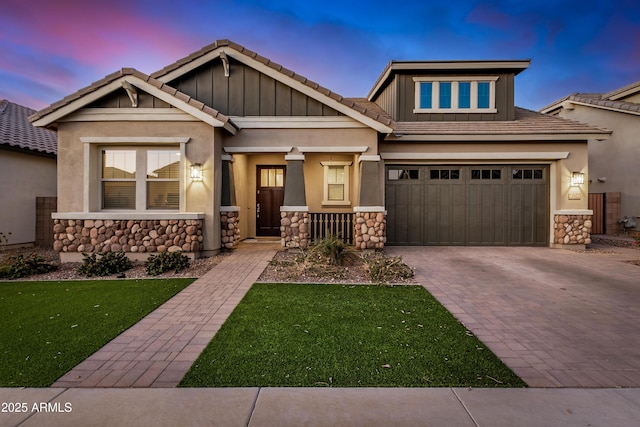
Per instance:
{"type": "Point", "coordinates": [16, 131]}
{"type": "Point", "coordinates": [366, 109]}
{"type": "Point", "coordinates": [129, 72]}
{"type": "Point", "coordinates": [526, 122]}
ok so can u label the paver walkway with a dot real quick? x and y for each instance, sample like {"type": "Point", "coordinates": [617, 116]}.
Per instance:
{"type": "Point", "coordinates": [557, 318]}
{"type": "Point", "coordinates": [158, 350]}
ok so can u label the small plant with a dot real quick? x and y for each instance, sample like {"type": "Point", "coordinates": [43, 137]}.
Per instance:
{"type": "Point", "coordinates": [332, 247]}
{"type": "Point", "coordinates": [166, 261]}
{"type": "Point", "coordinates": [23, 266]}
{"type": "Point", "coordinates": [104, 264]}
{"type": "Point", "coordinates": [636, 238]}
{"type": "Point", "coordinates": [4, 240]}
{"type": "Point", "coordinates": [382, 268]}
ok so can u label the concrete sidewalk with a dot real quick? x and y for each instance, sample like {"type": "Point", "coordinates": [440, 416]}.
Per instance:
{"type": "Point", "coordinates": [324, 407]}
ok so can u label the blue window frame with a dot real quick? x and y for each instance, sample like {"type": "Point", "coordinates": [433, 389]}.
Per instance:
{"type": "Point", "coordinates": [445, 94]}
{"type": "Point", "coordinates": [464, 95]}
{"type": "Point", "coordinates": [483, 94]}
{"type": "Point", "coordinates": [426, 90]}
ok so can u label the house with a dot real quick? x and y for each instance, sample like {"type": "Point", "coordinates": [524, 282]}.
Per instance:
{"type": "Point", "coordinates": [27, 177]}
{"type": "Point", "coordinates": [613, 163]}
{"type": "Point", "coordinates": [225, 144]}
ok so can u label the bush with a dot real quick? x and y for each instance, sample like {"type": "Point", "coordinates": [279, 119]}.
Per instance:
{"type": "Point", "coordinates": [333, 248]}
{"type": "Point", "coordinates": [165, 261]}
{"type": "Point", "coordinates": [382, 268]}
{"type": "Point", "coordinates": [23, 266]}
{"type": "Point", "coordinates": [104, 264]}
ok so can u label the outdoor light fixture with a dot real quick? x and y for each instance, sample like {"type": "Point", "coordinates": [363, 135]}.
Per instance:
{"type": "Point", "coordinates": [577, 178]}
{"type": "Point", "coordinates": [196, 172]}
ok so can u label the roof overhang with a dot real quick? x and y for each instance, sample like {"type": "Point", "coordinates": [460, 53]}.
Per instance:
{"type": "Point", "coordinates": [128, 81]}
{"type": "Point", "coordinates": [533, 137]}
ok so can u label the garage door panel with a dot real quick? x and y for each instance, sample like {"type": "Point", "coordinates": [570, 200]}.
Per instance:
{"type": "Point", "coordinates": [469, 205]}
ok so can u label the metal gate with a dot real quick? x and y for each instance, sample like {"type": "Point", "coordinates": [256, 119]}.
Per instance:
{"type": "Point", "coordinates": [467, 205]}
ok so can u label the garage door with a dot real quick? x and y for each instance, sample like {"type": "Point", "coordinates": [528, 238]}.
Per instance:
{"type": "Point", "coordinates": [467, 205]}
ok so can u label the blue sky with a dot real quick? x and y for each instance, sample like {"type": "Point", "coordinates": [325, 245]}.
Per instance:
{"type": "Point", "coordinates": [51, 48]}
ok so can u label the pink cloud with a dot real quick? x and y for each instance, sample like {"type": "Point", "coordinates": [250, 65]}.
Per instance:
{"type": "Point", "coordinates": [90, 32]}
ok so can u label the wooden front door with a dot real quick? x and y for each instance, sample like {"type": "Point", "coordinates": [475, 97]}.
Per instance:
{"type": "Point", "coordinates": [269, 198]}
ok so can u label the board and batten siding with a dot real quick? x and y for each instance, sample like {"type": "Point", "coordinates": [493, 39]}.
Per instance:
{"type": "Point", "coordinates": [246, 92]}
{"type": "Point", "coordinates": [398, 99]}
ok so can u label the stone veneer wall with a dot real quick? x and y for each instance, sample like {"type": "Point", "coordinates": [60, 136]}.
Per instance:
{"type": "Point", "coordinates": [127, 235]}
{"type": "Point", "coordinates": [294, 229]}
{"type": "Point", "coordinates": [370, 230]}
{"type": "Point", "coordinates": [572, 229]}
{"type": "Point", "coordinates": [230, 227]}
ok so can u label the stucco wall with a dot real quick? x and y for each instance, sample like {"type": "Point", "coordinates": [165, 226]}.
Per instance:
{"type": "Point", "coordinates": [617, 158]}
{"type": "Point", "coordinates": [203, 147]}
{"type": "Point", "coordinates": [23, 177]}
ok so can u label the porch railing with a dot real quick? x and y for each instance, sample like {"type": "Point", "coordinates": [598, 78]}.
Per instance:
{"type": "Point", "coordinates": [323, 224]}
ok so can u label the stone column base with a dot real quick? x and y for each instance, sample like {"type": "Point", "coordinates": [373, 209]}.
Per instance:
{"type": "Point", "coordinates": [230, 228]}
{"type": "Point", "coordinates": [294, 229]}
{"type": "Point", "coordinates": [571, 230]}
{"type": "Point", "coordinates": [371, 230]}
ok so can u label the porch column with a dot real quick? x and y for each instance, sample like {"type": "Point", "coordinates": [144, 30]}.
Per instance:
{"type": "Point", "coordinates": [370, 214]}
{"type": "Point", "coordinates": [294, 214]}
{"type": "Point", "coordinates": [229, 212]}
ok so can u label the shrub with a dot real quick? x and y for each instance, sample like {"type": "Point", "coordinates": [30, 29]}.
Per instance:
{"type": "Point", "coordinates": [104, 264]}
{"type": "Point", "coordinates": [333, 248]}
{"type": "Point", "coordinates": [382, 268]}
{"type": "Point", "coordinates": [165, 261]}
{"type": "Point", "coordinates": [23, 266]}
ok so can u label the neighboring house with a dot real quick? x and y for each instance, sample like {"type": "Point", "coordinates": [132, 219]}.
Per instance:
{"type": "Point", "coordinates": [225, 144]}
{"type": "Point", "coordinates": [27, 171]}
{"type": "Point", "coordinates": [614, 165]}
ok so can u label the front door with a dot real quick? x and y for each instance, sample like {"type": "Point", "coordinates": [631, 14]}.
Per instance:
{"type": "Point", "coordinates": [270, 196]}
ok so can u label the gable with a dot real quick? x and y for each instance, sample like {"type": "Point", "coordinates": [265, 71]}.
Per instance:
{"type": "Point", "coordinates": [261, 86]}
{"type": "Point", "coordinates": [247, 92]}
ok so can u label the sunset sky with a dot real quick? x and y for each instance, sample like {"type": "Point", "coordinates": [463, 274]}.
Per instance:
{"type": "Point", "coordinates": [51, 48]}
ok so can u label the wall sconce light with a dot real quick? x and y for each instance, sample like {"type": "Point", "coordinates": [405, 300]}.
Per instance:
{"type": "Point", "coordinates": [577, 178]}
{"type": "Point", "coordinates": [196, 172]}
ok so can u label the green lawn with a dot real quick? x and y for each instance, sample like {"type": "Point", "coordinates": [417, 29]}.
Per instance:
{"type": "Point", "coordinates": [345, 336]}
{"type": "Point", "coordinates": [49, 327]}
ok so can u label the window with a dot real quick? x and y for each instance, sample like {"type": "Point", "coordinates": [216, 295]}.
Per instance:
{"type": "Point", "coordinates": [445, 94]}
{"type": "Point", "coordinates": [425, 94]}
{"type": "Point", "coordinates": [272, 177]}
{"type": "Point", "coordinates": [527, 174]}
{"type": "Point", "coordinates": [336, 183]}
{"type": "Point", "coordinates": [486, 174]}
{"type": "Point", "coordinates": [464, 95]}
{"type": "Point", "coordinates": [444, 174]}
{"type": "Point", "coordinates": [403, 174]}
{"type": "Point", "coordinates": [140, 178]}
{"type": "Point", "coordinates": [455, 94]}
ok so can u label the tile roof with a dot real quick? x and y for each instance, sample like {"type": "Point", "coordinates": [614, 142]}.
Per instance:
{"type": "Point", "coordinates": [129, 72]}
{"type": "Point", "coordinates": [609, 95]}
{"type": "Point", "coordinates": [362, 108]}
{"type": "Point", "coordinates": [526, 122]}
{"type": "Point", "coordinates": [16, 131]}
{"type": "Point", "coordinates": [601, 100]}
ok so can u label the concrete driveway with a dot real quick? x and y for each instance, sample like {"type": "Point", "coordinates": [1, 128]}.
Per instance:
{"type": "Point", "coordinates": [557, 318]}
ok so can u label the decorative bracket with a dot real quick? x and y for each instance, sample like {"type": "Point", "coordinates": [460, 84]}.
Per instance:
{"type": "Point", "coordinates": [225, 63]}
{"type": "Point", "coordinates": [132, 92]}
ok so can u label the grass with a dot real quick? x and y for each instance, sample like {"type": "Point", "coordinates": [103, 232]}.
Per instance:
{"type": "Point", "coordinates": [345, 336]}
{"type": "Point", "coordinates": [49, 327]}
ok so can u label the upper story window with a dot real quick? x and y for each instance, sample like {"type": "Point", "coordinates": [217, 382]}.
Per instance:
{"type": "Point", "coordinates": [474, 94]}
